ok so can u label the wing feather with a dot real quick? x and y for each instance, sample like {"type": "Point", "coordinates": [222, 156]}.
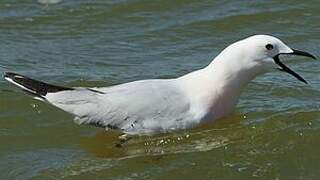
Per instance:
{"type": "Point", "coordinates": [136, 107]}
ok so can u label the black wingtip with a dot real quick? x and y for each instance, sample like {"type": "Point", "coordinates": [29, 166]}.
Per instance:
{"type": "Point", "coordinates": [8, 74]}
{"type": "Point", "coordinates": [34, 86]}
{"type": "Point", "coordinates": [11, 75]}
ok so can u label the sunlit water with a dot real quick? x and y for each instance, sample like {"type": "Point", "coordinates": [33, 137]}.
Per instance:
{"type": "Point", "coordinates": [273, 135]}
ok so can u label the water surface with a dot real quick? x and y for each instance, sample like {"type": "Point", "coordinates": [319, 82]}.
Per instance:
{"type": "Point", "coordinates": [273, 135]}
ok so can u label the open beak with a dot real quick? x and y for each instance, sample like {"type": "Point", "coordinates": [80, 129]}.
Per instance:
{"type": "Point", "coordinates": [288, 70]}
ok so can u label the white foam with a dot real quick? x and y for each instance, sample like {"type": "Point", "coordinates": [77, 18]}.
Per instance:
{"type": "Point", "coordinates": [46, 2]}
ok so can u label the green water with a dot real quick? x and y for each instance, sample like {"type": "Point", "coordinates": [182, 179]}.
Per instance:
{"type": "Point", "coordinates": [275, 133]}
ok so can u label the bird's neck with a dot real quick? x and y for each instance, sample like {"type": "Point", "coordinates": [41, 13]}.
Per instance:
{"type": "Point", "coordinates": [234, 69]}
{"type": "Point", "coordinates": [232, 74]}
{"type": "Point", "coordinates": [218, 86]}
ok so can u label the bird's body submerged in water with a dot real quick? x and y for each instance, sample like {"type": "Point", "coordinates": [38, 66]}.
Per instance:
{"type": "Point", "coordinates": [161, 105]}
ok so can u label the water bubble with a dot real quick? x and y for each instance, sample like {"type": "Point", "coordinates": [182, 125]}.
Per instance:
{"type": "Point", "coordinates": [240, 169]}
{"type": "Point", "coordinates": [28, 19]}
{"type": "Point", "coordinates": [34, 105]}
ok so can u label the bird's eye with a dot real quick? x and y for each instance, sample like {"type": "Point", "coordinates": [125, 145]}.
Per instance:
{"type": "Point", "coordinates": [269, 46]}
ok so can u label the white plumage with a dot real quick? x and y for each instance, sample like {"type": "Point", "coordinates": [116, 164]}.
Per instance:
{"type": "Point", "coordinates": [161, 105]}
{"type": "Point", "coordinates": [136, 107]}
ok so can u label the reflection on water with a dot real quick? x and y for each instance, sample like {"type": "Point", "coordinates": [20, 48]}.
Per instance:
{"type": "Point", "coordinates": [204, 138]}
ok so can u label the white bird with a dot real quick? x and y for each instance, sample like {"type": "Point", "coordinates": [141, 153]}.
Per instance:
{"type": "Point", "coordinates": [162, 105]}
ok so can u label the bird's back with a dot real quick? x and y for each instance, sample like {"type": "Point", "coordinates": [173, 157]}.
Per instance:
{"type": "Point", "coordinates": [137, 107]}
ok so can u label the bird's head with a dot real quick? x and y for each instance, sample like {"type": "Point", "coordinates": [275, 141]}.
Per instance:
{"type": "Point", "coordinates": [264, 51]}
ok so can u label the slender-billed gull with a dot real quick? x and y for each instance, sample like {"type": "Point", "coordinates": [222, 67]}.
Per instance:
{"type": "Point", "coordinates": [162, 105]}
